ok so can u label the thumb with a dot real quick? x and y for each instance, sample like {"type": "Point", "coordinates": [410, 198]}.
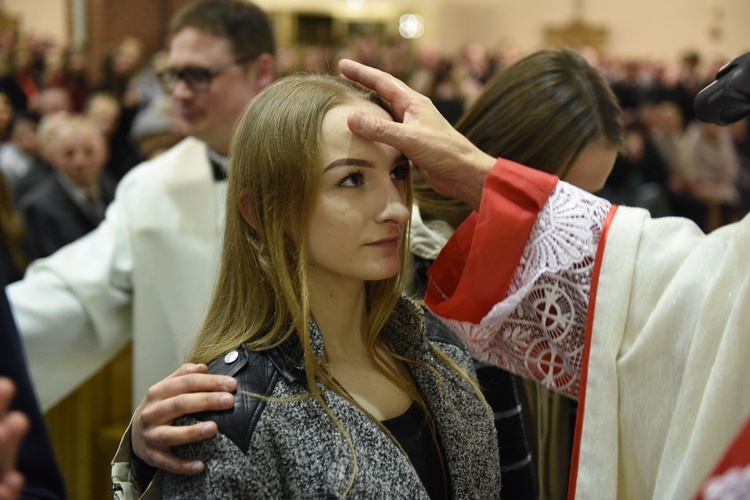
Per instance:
{"type": "Point", "coordinates": [374, 128]}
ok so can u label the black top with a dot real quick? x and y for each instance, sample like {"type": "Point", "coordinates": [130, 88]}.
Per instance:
{"type": "Point", "coordinates": [52, 218]}
{"type": "Point", "coordinates": [411, 431]}
{"type": "Point", "coordinates": [500, 389]}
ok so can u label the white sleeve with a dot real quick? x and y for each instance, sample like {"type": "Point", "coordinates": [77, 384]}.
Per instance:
{"type": "Point", "coordinates": [73, 309]}
{"type": "Point", "coordinates": [537, 330]}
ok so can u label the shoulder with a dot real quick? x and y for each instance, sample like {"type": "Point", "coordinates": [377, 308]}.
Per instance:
{"type": "Point", "coordinates": [443, 338]}
{"type": "Point", "coordinates": [40, 195]}
{"type": "Point", "coordinates": [146, 186]}
{"type": "Point", "coordinates": [437, 331]}
{"type": "Point", "coordinates": [257, 373]}
{"type": "Point", "coordinates": [181, 157]}
{"type": "Point", "coordinates": [186, 148]}
{"type": "Point", "coordinates": [411, 325]}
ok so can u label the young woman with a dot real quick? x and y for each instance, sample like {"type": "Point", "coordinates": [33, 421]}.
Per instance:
{"type": "Point", "coordinates": [346, 387]}
{"type": "Point", "coordinates": [551, 111]}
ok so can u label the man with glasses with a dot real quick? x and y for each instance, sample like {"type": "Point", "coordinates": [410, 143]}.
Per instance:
{"type": "Point", "coordinates": [147, 271]}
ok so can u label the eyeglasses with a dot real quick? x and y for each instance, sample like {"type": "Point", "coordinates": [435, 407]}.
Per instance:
{"type": "Point", "coordinates": [196, 78]}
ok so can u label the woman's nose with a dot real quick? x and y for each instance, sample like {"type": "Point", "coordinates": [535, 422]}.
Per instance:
{"type": "Point", "coordinates": [395, 208]}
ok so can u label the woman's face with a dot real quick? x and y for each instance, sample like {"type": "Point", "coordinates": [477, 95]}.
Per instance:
{"type": "Point", "coordinates": [592, 167]}
{"type": "Point", "coordinates": [78, 152]}
{"type": "Point", "coordinates": [357, 225]}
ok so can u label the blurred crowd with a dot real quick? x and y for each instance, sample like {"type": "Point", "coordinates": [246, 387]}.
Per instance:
{"type": "Point", "coordinates": [67, 137]}
{"type": "Point", "coordinates": [672, 164]}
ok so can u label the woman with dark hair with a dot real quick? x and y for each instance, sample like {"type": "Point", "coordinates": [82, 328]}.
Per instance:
{"type": "Point", "coordinates": [551, 111]}
{"type": "Point", "coordinates": [554, 112]}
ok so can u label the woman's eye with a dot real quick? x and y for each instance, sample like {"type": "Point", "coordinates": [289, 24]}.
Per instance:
{"type": "Point", "coordinates": [354, 179]}
{"type": "Point", "coordinates": [400, 173]}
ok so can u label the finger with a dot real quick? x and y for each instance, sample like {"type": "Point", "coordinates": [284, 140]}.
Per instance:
{"type": "Point", "coordinates": [388, 87]}
{"type": "Point", "coordinates": [158, 454]}
{"type": "Point", "coordinates": [165, 411]}
{"type": "Point", "coordinates": [7, 390]}
{"type": "Point", "coordinates": [189, 368]}
{"type": "Point", "coordinates": [11, 485]}
{"type": "Point", "coordinates": [166, 436]}
{"type": "Point", "coordinates": [187, 383]}
{"type": "Point", "coordinates": [12, 429]}
{"type": "Point", "coordinates": [170, 463]}
{"type": "Point", "coordinates": [17, 425]}
{"type": "Point", "coordinates": [374, 128]}
{"type": "Point", "coordinates": [365, 75]}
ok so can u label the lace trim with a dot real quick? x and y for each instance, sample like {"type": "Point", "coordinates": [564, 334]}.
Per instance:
{"type": "Point", "coordinates": [537, 331]}
{"type": "Point", "coordinates": [734, 483]}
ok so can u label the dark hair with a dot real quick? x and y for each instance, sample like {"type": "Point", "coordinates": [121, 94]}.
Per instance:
{"type": "Point", "coordinates": [242, 23]}
{"type": "Point", "coordinates": [542, 112]}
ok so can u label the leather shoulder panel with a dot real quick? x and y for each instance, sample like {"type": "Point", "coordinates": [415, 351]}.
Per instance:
{"type": "Point", "coordinates": [256, 376]}
{"type": "Point", "coordinates": [436, 331]}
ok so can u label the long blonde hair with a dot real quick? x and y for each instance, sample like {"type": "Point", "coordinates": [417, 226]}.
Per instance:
{"type": "Point", "coordinates": [261, 297]}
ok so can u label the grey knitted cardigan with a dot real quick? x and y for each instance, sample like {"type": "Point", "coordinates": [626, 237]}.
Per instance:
{"type": "Point", "coordinates": [296, 451]}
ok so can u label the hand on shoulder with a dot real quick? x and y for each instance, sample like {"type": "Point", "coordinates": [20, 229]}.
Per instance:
{"type": "Point", "coordinates": [188, 390]}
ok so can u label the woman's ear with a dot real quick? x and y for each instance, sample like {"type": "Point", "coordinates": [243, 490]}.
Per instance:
{"type": "Point", "coordinates": [244, 205]}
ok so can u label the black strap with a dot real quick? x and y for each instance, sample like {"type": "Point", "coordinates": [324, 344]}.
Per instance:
{"type": "Point", "coordinates": [411, 431]}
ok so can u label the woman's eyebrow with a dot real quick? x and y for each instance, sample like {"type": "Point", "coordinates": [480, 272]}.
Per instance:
{"type": "Point", "coordinates": [343, 162]}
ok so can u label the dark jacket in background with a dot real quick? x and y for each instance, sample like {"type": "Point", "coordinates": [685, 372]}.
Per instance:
{"type": "Point", "coordinates": [36, 461]}
{"type": "Point", "coordinates": [52, 219]}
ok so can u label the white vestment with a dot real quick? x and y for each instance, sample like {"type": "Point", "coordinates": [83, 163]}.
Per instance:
{"type": "Point", "coordinates": [145, 273]}
{"type": "Point", "coordinates": [660, 363]}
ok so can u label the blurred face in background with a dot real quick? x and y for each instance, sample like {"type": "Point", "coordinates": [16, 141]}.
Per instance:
{"type": "Point", "coordinates": [670, 119]}
{"type": "Point", "coordinates": [24, 136]}
{"type": "Point", "coordinates": [22, 57]}
{"type": "Point", "coordinates": [54, 100]}
{"type": "Point", "coordinates": [78, 151]}
{"type": "Point", "coordinates": [127, 57]}
{"type": "Point", "coordinates": [210, 113]}
{"type": "Point", "coordinates": [592, 167]}
{"type": "Point", "coordinates": [104, 111]}
{"type": "Point", "coordinates": [75, 60]}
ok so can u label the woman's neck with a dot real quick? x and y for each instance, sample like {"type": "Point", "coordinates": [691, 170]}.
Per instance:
{"type": "Point", "coordinates": [340, 311]}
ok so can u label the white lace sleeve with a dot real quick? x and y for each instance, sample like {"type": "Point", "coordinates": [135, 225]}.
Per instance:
{"type": "Point", "coordinates": [537, 331]}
